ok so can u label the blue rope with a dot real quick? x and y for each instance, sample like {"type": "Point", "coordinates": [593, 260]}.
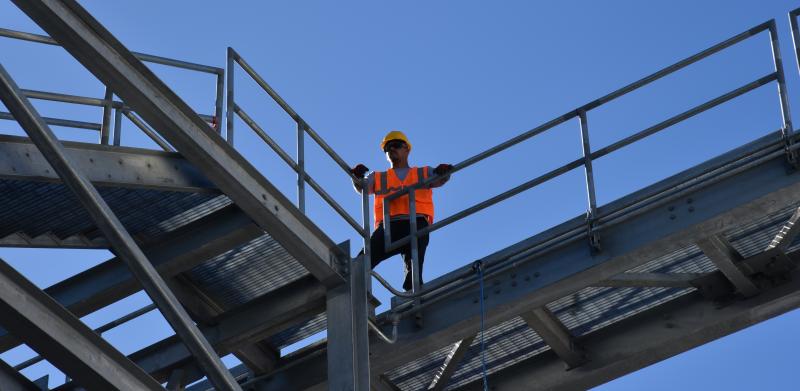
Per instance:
{"type": "Point", "coordinates": [478, 266]}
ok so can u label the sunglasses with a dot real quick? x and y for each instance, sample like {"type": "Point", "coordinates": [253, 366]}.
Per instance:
{"type": "Point", "coordinates": [393, 145]}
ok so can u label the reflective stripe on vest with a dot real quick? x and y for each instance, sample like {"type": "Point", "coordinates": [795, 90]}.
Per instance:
{"type": "Point", "coordinates": [387, 183]}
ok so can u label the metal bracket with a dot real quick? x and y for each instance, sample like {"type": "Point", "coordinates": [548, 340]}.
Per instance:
{"type": "Point", "coordinates": [593, 235]}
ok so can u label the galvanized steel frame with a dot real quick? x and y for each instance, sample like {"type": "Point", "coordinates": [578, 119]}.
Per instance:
{"type": "Point", "coordinates": [115, 108]}
{"type": "Point", "coordinates": [114, 231]}
{"type": "Point", "coordinates": [612, 217]}
{"type": "Point", "coordinates": [593, 219]}
{"type": "Point", "coordinates": [63, 339]}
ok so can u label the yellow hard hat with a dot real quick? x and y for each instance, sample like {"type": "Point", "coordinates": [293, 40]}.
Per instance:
{"type": "Point", "coordinates": [395, 135]}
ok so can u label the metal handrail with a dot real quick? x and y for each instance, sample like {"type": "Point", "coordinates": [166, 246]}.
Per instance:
{"type": "Point", "coordinates": [588, 154]}
{"type": "Point", "coordinates": [594, 155]}
{"type": "Point", "coordinates": [288, 109]}
{"type": "Point", "coordinates": [294, 166]}
{"type": "Point", "coordinates": [793, 15]}
{"type": "Point", "coordinates": [302, 128]}
{"type": "Point", "coordinates": [108, 104]}
{"type": "Point", "coordinates": [464, 278]}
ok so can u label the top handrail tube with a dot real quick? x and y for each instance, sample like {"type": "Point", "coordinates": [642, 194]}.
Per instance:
{"type": "Point", "coordinates": [38, 38]}
{"type": "Point", "coordinates": [795, 35]}
{"type": "Point", "coordinates": [591, 105]}
{"type": "Point", "coordinates": [288, 109]}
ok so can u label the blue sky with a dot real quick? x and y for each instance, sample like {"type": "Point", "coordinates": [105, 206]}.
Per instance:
{"type": "Point", "coordinates": [457, 77]}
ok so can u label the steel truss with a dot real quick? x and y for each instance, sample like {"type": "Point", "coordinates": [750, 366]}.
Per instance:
{"type": "Point", "coordinates": [698, 208]}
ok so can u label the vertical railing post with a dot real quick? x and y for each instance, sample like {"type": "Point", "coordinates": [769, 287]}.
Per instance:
{"type": "Point", "coordinates": [219, 101]}
{"type": "Point", "coordinates": [105, 127]}
{"type": "Point", "coordinates": [387, 229]}
{"type": "Point", "coordinates": [366, 234]}
{"type": "Point", "coordinates": [230, 104]}
{"type": "Point", "coordinates": [416, 276]}
{"type": "Point", "coordinates": [795, 36]}
{"type": "Point", "coordinates": [777, 62]}
{"type": "Point", "coordinates": [118, 126]}
{"type": "Point", "coordinates": [591, 214]}
{"type": "Point", "coordinates": [301, 166]}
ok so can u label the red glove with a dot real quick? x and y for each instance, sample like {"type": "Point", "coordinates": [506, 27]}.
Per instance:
{"type": "Point", "coordinates": [359, 170]}
{"type": "Point", "coordinates": [443, 169]}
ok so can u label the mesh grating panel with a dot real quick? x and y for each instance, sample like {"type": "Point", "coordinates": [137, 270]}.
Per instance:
{"type": "Point", "coordinates": [247, 272]}
{"type": "Point", "coordinates": [36, 208]}
{"type": "Point", "coordinates": [299, 331]}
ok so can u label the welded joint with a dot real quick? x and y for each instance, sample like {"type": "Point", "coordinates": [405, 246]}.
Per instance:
{"type": "Point", "coordinates": [556, 335]}
{"type": "Point", "coordinates": [729, 261]}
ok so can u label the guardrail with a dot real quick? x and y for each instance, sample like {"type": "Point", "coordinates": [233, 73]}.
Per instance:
{"type": "Point", "coordinates": [592, 218]}
{"type": "Point", "coordinates": [298, 166]}
{"type": "Point", "coordinates": [112, 108]}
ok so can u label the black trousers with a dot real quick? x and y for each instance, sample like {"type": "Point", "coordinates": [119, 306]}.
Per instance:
{"type": "Point", "coordinates": [399, 230]}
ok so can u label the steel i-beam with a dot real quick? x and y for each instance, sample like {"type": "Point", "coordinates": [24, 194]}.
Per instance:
{"type": "Point", "coordinates": [115, 232]}
{"type": "Point", "coordinates": [111, 62]}
{"type": "Point", "coordinates": [63, 339]}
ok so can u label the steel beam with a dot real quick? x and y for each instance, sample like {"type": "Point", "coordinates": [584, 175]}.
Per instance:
{"type": "Point", "coordinates": [647, 338]}
{"type": "Point", "coordinates": [451, 363]}
{"type": "Point", "coordinates": [260, 357]}
{"type": "Point", "coordinates": [348, 361]}
{"type": "Point", "coordinates": [104, 166]}
{"type": "Point", "coordinates": [728, 260]}
{"type": "Point", "coordinates": [11, 380]}
{"type": "Point", "coordinates": [49, 240]}
{"type": "Point", "coordinates": [114, 231]}
{"type": "Point", "coordinates": [651, 280]}
{"type": "Point", "coordinates": [178, 251]}
{"type": "Point", "coordinates": [236, 329]}
{"type": "Point", "coordinates": [176, 380]}
{"type": "Point", "coordinates": [63, 339]}
{"type": "Point", "coordinates": [787, 233]}
{"type": "Point", "coordinates": [538, 278]}
{"type": "Point", "coordinates": [103, 55]}
{"type": "Point", "coordinates": [754, 187]}
{"type": "Point", "coordinates": [555, 335]}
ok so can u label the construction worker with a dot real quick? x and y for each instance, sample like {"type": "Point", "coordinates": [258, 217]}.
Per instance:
{"type": "Point", "coordinates": [381, 184]}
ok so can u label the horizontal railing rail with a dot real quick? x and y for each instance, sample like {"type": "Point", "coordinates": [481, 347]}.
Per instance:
{"type": "Point", "coordinates": [113, 108]}
{"type": "Point", "coordinates": [580, 113]}
{"type": "Point", "coordinates": [303, 178]}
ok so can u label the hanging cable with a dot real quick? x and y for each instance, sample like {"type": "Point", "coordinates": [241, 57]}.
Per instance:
{"type": "Point", "coordinates": [478, 267]}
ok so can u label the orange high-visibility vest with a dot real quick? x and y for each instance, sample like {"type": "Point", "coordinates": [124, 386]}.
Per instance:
{"type": "Point", "coordinates": [387, 183]}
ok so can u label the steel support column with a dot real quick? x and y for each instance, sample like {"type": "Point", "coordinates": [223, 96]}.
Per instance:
{"type": "Point", "coordinates": [348, 346]}
{"type": "Point", "coordinates": [114, 232]}
{"type": "Point", "coordinates": [63, 339]}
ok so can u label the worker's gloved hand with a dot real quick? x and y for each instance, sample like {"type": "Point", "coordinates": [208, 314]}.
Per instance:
{"type": "Point", "coordinates": [443, 169]}
{"type": "Point", "coordinates": [359, 170]}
